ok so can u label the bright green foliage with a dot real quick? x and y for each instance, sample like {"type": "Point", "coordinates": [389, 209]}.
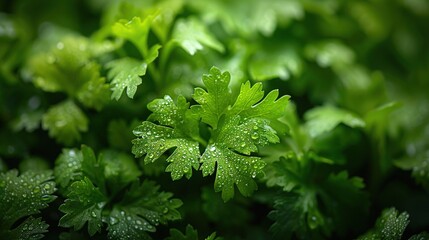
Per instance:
{"type": "Point", "coordinates": [353, 139]}
{"type": "Point", "coordinates": [136, 31]}
{"type": "Point", "coordinates": [21, 197]}
{"type": "Point", "coordinates": [68, 68]}
{"type": "Point", "coordinates": [68, 167]}
{"type": "Point", "coordinates": [92, 184]}
{"type": "Point", "coordinates": [324, 119]}
{"type": "Point", "coordinates": [65, 122]}
{"type": "Point", "coordinates": [278, 61]}
{"type": "Point", "coordinates": [192, 35]}
{"type": "Point", "coordinates": [126, 73]}
{"type": "Point", "coordinates": [190, 234]}
{"type": "Point", "coordinates": [250, 18]}
{"type": "Point", "coordinates": [178, 129]}
{"type": "Point", "coordinates": [390, 225]}
{"type": "Point", "coordinates": [238, 128]}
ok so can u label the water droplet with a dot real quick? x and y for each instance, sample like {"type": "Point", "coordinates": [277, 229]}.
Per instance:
{"type": "Point", "coordinates": [113, 220]}
{"type": "Point", "coordinates": [165, 210]}
{"type": "Point", "coordinates": [93, 214]}
{"type": "Point", "coordinates": [254, 136]}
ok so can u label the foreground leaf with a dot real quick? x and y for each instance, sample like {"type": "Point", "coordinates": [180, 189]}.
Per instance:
{"type": "Point", "coordinates": [22, 196]}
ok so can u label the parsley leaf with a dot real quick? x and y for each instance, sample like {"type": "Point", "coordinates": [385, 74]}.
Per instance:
{"type": "Point", "coordinates": [126, 73]}
{"type": "Point", "coordinates": [65, 122]}
{"type": "Point", "coordinates": [191, 35]}
{"type": "Point", "coordinates": [141, 210]}
{"type": "Point", "coordinates": [68, 68]}
{"type": "Point", "coordinates": [390, 225]}
{"type": "Point", "coordinates": [179, 130]}
{"type": "Point", "coordinates": [238, 126]}
{"type": "Point", "coordinates": [84, 204]}
{"type": "Point", "coordinates": [135, 31]}
{"type": "Point", "coordinates": [106, 190]}
{"type": "Point", "coordinates": [22, 196]}
{"type": "Point", "coordinates": [324, 119]}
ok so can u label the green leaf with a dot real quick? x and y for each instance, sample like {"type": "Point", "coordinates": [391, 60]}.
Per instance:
{"type": "Point", "coordinates": [30, 229]}
{"type": "Point", "coordinates": [63, 67]}
{"type": "Point", "coordinates": [68, 167]}
{"type": "Point", "coordinates": [141, 210]}
{"type": "Point", "coordinates": [330, 54]}
{"type": "Point", "coordinates": [136, 31]}
{"type": "Point", "coordinates": [192, 36]}
{"type": "Point", "coordinates": [290, 216]}
{"type": "Point", "coordinates": [120, 169]}
{"type": "Point", "coordinates": [153, 140]}
{"type": "Point", "coordinates": [251, 17]}
{"type": "Point", "coordinates": [278, 61]}
{"type": "Point", "coordinates": [324, 119]}
{"type": "Point", "coordinates": [94, 93]}
{"type": "Point", "coordinates": [65, 122]}
{"type": "Point", "coordinates": [68, 68]}
{"type": "Point", "coordinates": [22, 196]}
{"type": "Point", "coordinates": [390, 225]}
{"type": "Point", "coordinates": [93, 169]}
{"type": "Point", "coordinates": [126, 73]}
{"type": "Point", "coordinates": [216, 99]}
{"type": "Point", "coordinates": [231, 168]}
{"type": "Point", "coordinates": [84, 205]}
{"type": "Point", "coordinates": [316, 202]}
{"type": "Point", "coordinates": [237, 132]}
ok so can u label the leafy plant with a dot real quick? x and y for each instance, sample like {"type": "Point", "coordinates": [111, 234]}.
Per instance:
{"type": "Point", "coordinates": [176, 119]}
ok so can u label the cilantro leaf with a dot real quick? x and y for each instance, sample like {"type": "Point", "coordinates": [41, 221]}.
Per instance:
{"type": "Point", "coordinates": [215, 101]}
{"type": "Point", "coordinates": [237, 132]}
{"type": "Point", "coordinates": [191, 35]}
{"type": "Point", "coordinates": [69, 68]}
{"type": "Point", "coordinates": [136, 31]}
{"type": "Point", "coordinates": [324, 119]}
{"type": "Point", "coordinates": [68, 167]}
{"type": "Point", "coordinates": [179, 130]}
{"type": "Point", "coordinates": [190, 234]}
{"type": "Point", "coordinates": [126, 73]}
{"type": "Point", "coordinates": [243, 127]}
{"type": "Point", "coordinates": [390, 225]}
{"type": "Point", "coordinates": [94, 93]}
{"type": "Point", "coordinates": [314, 203]}
{"type": "Point", "coordinates": [141, 210]}
{"type": "Point", "coordinates": [65, 122]}
{"type": "Point", "coordinates": [278, 61]}
{"type": "Point", "coordinates": [251, 17]}
{"type": "Point", "coordinates": [290, 218]}
{"type": "Point", "coordinates": [22, 196]}
{"type": "Point", "coordinates": [93, 187]}
{"type": "Point", "coordinates": [84, 204]}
